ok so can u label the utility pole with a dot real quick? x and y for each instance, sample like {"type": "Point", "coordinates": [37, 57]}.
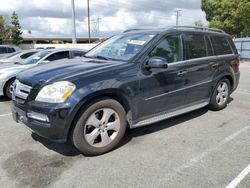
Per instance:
{"type": "Point", "coordinates": [95, 26]}
{"type": "Point", "coordinates": [178, 14]}
{"type": "Point", "coordinates": [73, 22]}
{"type": "Point", "coordinates": [88, 20]}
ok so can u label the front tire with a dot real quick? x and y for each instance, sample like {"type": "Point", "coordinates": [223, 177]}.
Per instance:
{"type": "Point", "coordinates": [100, 128]}
{"type": "Point", "coordinates": [8, 88]}
{"type": "Point", "coordinates": [220, 96]}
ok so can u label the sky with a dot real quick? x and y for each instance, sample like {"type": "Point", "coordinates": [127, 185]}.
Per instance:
{"type": "Point", "coordinates": [53, 17]}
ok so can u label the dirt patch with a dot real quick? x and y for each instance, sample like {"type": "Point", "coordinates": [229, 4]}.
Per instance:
{"type": "Point", "coordinates": [31, 169]}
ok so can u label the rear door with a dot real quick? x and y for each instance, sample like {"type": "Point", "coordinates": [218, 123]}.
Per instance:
{"type": "Point", "coordinates": [201, 67]}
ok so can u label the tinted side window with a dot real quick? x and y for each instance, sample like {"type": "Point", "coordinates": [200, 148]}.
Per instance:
{"type": "Point", "coordinates": [221, 45]}
{"type": "Point", "coordinates": [195, 46]}
{"type": "Point", "coordinates": [77, 53]}
{"type": "Point", "coordinates": [3, 50]}
{"type": "Point", "coordinates": [24, 56]}
{"type": "Point", "coordinates": [58, 55]}
{"type": "Point", "coordinates": [169, 49]}
{"type": "Point", "coordinates": [209, 47]}
{"type": "Point", "coordinates": [10, 50]}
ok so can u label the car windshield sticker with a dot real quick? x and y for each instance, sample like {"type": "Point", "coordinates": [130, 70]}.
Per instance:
{"type": "Point", "coordinates": [137, 42]}
{"type": "Point", "coordinates": [36, 58]}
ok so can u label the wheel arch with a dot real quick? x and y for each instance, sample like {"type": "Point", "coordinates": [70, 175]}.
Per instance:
{"type": "Point", "coordinates": [111, 94]}
{"type": "Point", "coordinates": [5, 84]}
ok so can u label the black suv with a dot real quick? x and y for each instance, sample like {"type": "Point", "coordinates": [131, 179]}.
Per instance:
{"type": "Point", "coordinates": [133, 79]}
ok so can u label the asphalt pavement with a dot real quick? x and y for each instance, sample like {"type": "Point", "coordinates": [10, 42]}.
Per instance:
{"type": "Point", "coordinates": [199, 149]}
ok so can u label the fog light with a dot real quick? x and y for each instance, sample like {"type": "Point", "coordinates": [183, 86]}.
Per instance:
{"type": "Point", "coordinates": [38, 116]}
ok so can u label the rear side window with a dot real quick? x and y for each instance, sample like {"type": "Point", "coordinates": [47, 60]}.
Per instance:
{"type": "Point", "coordinates": [209, 47]}
{"type": "Point", "coordinates": [169, 48]}
{"type": "Point", "coordinates": [195, 46]}
{"type": "Point", "coordinates": [58, 55]}
{"type": "Point", "coordinates": [10, 50]}
{"type": "Point", "coordinates": [3, 50]}
{"type": "Point", "coordinates": [221, 45]}
{"type": "Point", "coordinates": [77, 53]}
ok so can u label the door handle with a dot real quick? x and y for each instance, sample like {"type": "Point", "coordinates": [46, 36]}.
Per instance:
{"type": "Point", "coordinates": [182, 72]}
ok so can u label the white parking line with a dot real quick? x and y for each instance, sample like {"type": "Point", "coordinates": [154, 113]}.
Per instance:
{"type": "Point", "coordinates": [2, 115]}
{"type": "Point", "coordinates": [202, 155]}
{"type": "Point", "coordinates": [239, 178]}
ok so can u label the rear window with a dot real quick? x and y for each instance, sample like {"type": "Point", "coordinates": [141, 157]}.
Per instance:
{"type": "Point", "coordinates": [195, 46]}
{"type": "Point", "coordinates": [221, 45]}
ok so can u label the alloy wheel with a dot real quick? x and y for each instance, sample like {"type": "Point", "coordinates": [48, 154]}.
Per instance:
{"type": "Point", "coordinates": [222, 93]}
{"type": "Point", "coordinates": [102, 127]}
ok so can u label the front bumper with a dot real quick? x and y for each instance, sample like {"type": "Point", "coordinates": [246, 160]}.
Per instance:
{"type": "Point", "coordinates": [54, 128]}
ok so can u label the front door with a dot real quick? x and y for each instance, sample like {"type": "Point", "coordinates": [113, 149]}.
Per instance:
{"type": "Point", "coordinates": [163, 89]}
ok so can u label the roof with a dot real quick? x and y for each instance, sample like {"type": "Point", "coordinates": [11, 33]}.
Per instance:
{"type": "Point", "coordinates": [63, 49]}
{"type": "Point", "coordinates": [176, 28]}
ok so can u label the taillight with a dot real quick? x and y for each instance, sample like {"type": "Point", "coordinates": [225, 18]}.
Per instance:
{"type": "Point", "coordinates": [238, 62]}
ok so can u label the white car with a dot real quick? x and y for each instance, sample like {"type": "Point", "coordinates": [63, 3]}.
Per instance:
{"type": "Point", "coordinates": [8, 71]}
{"type": "Point", "coordinates": [7, 49]}
{"type": "Point", "coordinates": [18, 56]}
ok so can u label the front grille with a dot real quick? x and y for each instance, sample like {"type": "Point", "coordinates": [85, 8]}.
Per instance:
{"type": "Point", "coordinates": [21, 91]}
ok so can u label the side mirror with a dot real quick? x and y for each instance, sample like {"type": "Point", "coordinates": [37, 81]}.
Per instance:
{"type": "Point", "coordinates": [157, 63]}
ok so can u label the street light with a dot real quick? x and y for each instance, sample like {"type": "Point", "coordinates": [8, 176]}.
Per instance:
{"type": "Point", "coordinates": [73, 22]}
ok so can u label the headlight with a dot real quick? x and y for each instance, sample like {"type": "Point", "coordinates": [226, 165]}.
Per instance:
{"type": "Point", "coordinates": [57, 92]}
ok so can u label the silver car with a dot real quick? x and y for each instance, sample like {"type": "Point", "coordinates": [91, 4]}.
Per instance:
{"type": "Point", "coordinates": [8, 71]}
{"type": "Point", "coordinates": [18, 56]}
{"type": "Point", "coordinates": [6, 49]}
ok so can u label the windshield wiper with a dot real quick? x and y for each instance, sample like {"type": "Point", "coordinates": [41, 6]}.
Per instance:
{"type": "Point", "coordinates": [101, 57]}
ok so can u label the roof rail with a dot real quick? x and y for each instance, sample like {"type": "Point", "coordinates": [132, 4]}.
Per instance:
{"type": "Point", "coordinates": [198, 28]}
{"type": "Point", "coordinates": [136, 29]}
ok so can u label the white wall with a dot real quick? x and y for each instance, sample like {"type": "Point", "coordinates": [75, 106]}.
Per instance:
{"type": "Point", "coordinates": [243, 47]}
{"type": "Point", "coordinates": [82, 46]}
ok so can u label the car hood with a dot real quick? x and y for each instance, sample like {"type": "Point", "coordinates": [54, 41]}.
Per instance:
{"type": "Point", "coordinates": [12, 66]}
{"type": "Point", "coordinates": [68, 69]}
{"type": "Point", "coordinates": [9, 60]}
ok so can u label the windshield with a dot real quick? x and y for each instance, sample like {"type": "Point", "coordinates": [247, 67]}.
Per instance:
{"type": "Point", "coordinates": [121, 47]}
{"type": "Point", "coordinates": [35, 58]}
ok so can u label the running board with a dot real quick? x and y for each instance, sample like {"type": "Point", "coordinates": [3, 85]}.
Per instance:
{"type": "Point", "coordinates": [170, 114]}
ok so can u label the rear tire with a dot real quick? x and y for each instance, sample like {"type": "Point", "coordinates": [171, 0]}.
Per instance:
{"type": "Point", "coordinates": [220, 96]}
{"type": "Point", "coordinates": [100, 127]}
{"type": "Point", "coordinates": [8, 88]}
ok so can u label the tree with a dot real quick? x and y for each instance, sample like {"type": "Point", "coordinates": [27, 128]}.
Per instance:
{"type": "Point", "coordinates": [198, 23]}
{"type": "Point", "coordinates": [5, 36]}
{"type": "Point", "coordinates": [233, 16]}
{"type": "Point", "coordinates": [16, 33]}
{"type": "Point", "coordinates": [2, 29]}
